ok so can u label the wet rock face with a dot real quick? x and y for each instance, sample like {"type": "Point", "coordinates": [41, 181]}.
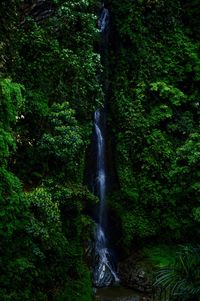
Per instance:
{"type": "Point", "coordinates": [135, 273]}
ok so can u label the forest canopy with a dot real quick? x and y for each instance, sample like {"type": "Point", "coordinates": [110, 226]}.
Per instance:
{"type": "Point", "coordinates": [50, 86]}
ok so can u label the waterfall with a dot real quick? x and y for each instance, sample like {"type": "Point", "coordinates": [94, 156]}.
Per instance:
{"type": "Point", "coordinates": [100, 168]}
{"type": "Point", "coordinates": [104, 272]}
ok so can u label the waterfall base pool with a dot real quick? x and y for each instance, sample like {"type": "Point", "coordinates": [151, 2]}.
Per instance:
{"type": "Point", "coordinates": [118, 293]}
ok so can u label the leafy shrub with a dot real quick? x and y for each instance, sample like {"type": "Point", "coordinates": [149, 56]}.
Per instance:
{"type": "Point", "coordinates": [182, 278]}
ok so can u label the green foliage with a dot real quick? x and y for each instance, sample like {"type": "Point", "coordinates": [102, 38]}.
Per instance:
{"type": "Point", "coordinates": [154, 111]}
{"type": "Point", "coordinates": [47, 251]}
{"type": "Point", "coordinates": [196, 214]}
{"type": "Point", "coordinates": [135, 221]}
{"type": "Point", "coordinates": [160, 255]}
{"type": "Point", "coordinates": [136, 224]}
{"type": "Point", "coordinates": [8, 48]}
{"type": "Point", "coordinates": [6, 143]}
{"type": "Point", "coordinates": [182, 279]}
{"type": "Point", "coordinates": [11, 104]}
{"type": "Point", "coordinates": [78, 290]}
{"type": "Point", "coordinates": [76, 229]}
{"type": "Point", "coordinates": [11, 202]}
{"type": "Point", "coordinates": [56, 70]}
{"type": "Point", "coordinates": [46, 118]}
{"type": "Point", "coordinates": [190, 18]}
{"type": "Point", "coordinates": [65, 68]}
{"type": "Point", "coordinates": [47, 242]}
{"type": "Point", "coordinates": [64, 141]}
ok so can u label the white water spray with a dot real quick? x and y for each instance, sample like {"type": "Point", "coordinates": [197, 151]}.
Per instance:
{"type": "Point", "coordinates": [104, 273]}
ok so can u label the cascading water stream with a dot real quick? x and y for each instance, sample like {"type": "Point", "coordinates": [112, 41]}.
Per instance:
{"type": "Point", "coordinates": [104, 273]}
{"type": "Point", "coordinates": [100, 172]}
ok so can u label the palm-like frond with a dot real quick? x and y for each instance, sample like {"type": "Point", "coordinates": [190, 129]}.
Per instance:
{"type": "Point", "coordinates": [183, 278]}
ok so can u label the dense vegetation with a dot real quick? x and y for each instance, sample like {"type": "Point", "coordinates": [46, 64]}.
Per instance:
{"type": "Point", "coordinates": [155, 120]}
{"type": "Point", "coordinates": [49, 89]}
{"type": "Point", "coordinates": [181, 280]}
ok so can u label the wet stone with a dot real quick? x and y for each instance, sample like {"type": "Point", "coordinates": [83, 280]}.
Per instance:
{"type": "Point", "coordinates": [135, 273]}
